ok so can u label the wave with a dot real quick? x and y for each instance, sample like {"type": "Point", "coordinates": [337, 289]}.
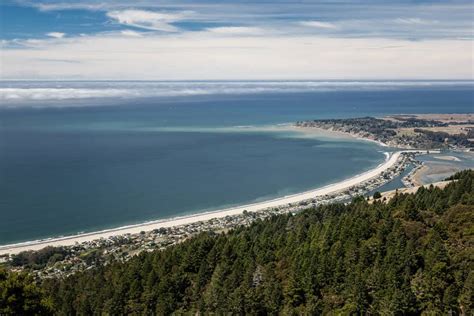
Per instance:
{"type": "Point", "coordinates": [28, 93]}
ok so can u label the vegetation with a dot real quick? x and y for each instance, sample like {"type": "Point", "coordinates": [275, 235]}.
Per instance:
{"type": "Point", "coordinates": [459, 175]}
{"type": "Point", "coordinates": [20, 296]}
{"type": "Point", "coordinates": [411, 255]}
{"type": "Point", "coordinates": [442, 137]}
{"type": "Point", "coordinates": [388, 131]}
{"type": "Point", "coordinates": [38, 259]}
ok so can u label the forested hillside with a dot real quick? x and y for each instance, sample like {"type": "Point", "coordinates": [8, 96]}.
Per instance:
{"type": "Point", "coordinates": [412, 255]}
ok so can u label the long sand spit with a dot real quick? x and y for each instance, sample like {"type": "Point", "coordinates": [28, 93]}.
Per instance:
{"type": "Point", "coordinates": [148, 226]}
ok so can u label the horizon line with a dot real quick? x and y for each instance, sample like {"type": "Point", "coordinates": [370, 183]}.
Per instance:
{"type": "Point", "coordinates": [249, 80]}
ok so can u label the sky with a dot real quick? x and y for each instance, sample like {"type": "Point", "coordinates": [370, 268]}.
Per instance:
{"type": "Point", "coordinates": [236, 40]}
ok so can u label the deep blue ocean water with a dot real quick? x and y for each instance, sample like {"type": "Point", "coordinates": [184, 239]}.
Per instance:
{"type": "Point", "coordinates": [74, 165]}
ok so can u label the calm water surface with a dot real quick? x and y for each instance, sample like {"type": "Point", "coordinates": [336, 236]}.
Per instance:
{"type": "Point", "coordinates": [102, 164]}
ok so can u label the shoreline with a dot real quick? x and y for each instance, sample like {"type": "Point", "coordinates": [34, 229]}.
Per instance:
{"type": "Point", "coordinates": [340, 134]}
{"type": "Point", "coordinates": [71, 240]}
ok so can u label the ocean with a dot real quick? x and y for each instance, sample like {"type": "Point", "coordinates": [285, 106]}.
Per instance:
{"type": "Point", "coordinates": [86, 156]}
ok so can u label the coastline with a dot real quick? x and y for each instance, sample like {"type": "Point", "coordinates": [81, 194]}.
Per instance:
{"type": "Point", "coordinates": [335, 133]}
{"type": "Point", "coordinates": [390, 161]}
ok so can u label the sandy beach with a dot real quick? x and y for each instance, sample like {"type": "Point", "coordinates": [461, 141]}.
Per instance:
{"type": "Point", "coordinates": [447, 158]}
{"type": "Point", "coordinates": [134, 229]}
{"type": "Point", "coordinates": [331, 133]}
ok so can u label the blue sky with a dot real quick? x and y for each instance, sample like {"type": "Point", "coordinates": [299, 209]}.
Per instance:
{"type": "Point", "coordinates": [144, 39]}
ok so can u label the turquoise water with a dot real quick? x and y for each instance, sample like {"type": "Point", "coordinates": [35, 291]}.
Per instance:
{"type": "Point", "coordinates": [69, 166]}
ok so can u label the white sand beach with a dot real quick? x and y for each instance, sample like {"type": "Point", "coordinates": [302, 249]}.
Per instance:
{"type": "Point", "coordinates": [148, 226]}
{"type": "Point", "coordinates": [447, 158]}
{"type": "Point", "coordinates": [330, 133]}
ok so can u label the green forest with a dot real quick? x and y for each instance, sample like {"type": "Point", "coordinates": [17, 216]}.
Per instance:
{"type": "Point", "coordinates": [411, 255]}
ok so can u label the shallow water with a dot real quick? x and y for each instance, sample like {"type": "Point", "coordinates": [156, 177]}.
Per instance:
{"type": "Point", "coordinates": [439, 169]}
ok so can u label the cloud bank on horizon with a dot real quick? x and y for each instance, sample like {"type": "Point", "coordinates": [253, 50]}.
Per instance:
{"type": "Point", "coordinates": [21, 94]}
{"type": "Point", "coordinates": [212, 40]}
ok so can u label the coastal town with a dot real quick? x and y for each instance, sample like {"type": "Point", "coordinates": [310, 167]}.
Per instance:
{"type": "Point", "coordinates": [66, 260]}
{"type": "Point", "coordinates": [428, 131]}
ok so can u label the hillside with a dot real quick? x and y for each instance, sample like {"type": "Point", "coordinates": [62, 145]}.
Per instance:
{"type": "Point", "coordinates": [411, 255]}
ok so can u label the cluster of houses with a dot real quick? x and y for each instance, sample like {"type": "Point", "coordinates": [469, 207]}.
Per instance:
{"type": "Point", "coordinates": [409, 180]}
{"type": "Point", "coordinates": [401, 133]}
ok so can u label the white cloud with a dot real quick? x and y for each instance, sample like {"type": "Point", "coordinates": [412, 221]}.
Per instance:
{"type": "Point", "coordinates": [56, 34]}
{"type": "Point", "coordinates": [131, 33]}
{"type": "Point", "coordinates": [66, 6]}
{"type": "Point", "coordinates": [202, 55]}
{"type": "Point", "coordinates": [157, 21]}
{"type": "Point", "coordinates": [30, 42]}
{"type": "Point", "coordinates": [12, 94]}
{"type": "Point", "coordinates": [414, 21]}
{"type": "Point", "coordinates": [362, 18]}
{"type": "Point", "coordinates": [318, 24]}
{"type": "Point", "coordinates": [34, 91]}
{"type": "Point", "coordinates": [236, 30]}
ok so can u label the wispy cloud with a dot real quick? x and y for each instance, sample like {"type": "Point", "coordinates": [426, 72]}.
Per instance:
{"type": "Point", "coordinates": [150, 20]}
{"type": "Point", "coordinates": [415, 21]}
{"type": "Point", "coordinates": [401, 19]}
{"type": "Point", "coordinates": [131, 33]}
{"type": "Point", "coordinates": [318, 24]}
{"type": "Point", "coordinates": [58, 6]}
{"type": "Point", "coordinates": [56, 34]}
{"type": "Point", "coordinates": [211, 39]}
{"type": "Point", "coordinates": [236, 30]}
{"type": "Point", "coordinates": [15, 94]}
{"type": "Point", "coordinates": [67, 61]}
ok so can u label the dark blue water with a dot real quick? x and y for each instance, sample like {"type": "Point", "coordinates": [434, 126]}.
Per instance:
{"type": "Point", "coordinates": [122, 161]}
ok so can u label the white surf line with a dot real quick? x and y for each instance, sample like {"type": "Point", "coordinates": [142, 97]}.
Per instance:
{"type": "Point", "coordinates": [148, 226]}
